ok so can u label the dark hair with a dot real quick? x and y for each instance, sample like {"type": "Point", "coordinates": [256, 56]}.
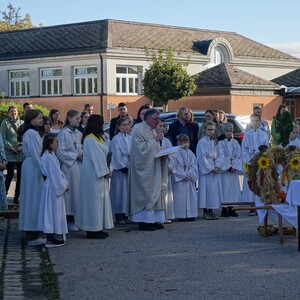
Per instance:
{"type": "Point", "coordinates": [70, 114]}
{"type": "Point", "coordinates": [182, 138]}
{"type": "Point", "coordinates": [87, 105]}
{"type": "Point", "coordinates": [150, 112]}
{"type": "Point", "coordinates": [52, 112]}
{"type": "Point", "coordinates": [31, 114]}
{"type": "Point", "coordinates": [122, 104]}
{"type": "Point", "coordinates": [138, 118]}
{"type": "Point", "coordinates": [82, 114]}
{"type": "Point", "coordinates": [256, 116]}
{"type": "Point", "coordinates": [12, 107]}
{"type": "Point", "coordinates": [47, 142]}
{"type": "Point", "coordinates": [257, 107]}
{"type": "Point", "coordinates": [94, 126]}
{"type": "Point", "coordinates": [42, 128]}
{"type": "Point", "coordinates": [119, 123]}
{"type": "Point", "coordinates": [278, 114]}
{"type": "Point", "coordinates": [25, 104]}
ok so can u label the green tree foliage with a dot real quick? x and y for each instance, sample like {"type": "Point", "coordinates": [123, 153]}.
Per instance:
{"type": "Point", "coordinates": [166, 79]}
{"type": "Point", "coordinates": [4, 109]}
{"type": "Point", "coordinates": [12, 19]}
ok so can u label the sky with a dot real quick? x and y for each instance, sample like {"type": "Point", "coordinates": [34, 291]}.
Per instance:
{"type": "Point", "coordinates": [270, 22]}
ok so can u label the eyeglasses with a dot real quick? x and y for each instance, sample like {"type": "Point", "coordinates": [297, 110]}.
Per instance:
{"type": "Point", "coordinates": [156, 119]}
{"type": "Point", "coordinates": [210, 129]}
{"type": "Point", "coordinates": [208, 116]}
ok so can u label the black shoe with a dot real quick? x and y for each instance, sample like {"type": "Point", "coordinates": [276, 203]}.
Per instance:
{"type": "Point", "coordinates": [159, 226]}
{"type": "Point", "coordinates": [97, 235]}
{"type": "Point", "coordinates": [181, 219]}
{"type": "Point", "coordinates": [224, 212]}
{"type": "Point", "coordinates": [16, 200]}
{"type": "Point", "coordinates": [232, 212]}
{"type": "Point", "coordinates": [190, 219]}
{"type": "Point", "coordinates": [147, 226]}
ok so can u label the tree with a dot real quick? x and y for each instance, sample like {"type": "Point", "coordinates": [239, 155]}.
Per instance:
{"type": "Point", "coordinates": [167, 79]}
{"type": "Point", "coordinates": [12, 19]}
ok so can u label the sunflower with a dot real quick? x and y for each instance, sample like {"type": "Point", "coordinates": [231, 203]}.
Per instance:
{"type": "Point", "coordinates": [263, 163]}
{"type": "Point", "coordinates": [294, 163]}
{"type": "Point", "coordinates": [246, 167]}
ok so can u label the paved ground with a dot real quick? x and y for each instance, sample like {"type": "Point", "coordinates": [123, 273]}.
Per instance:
{"type": "Point", "coordinates": [221, 259]}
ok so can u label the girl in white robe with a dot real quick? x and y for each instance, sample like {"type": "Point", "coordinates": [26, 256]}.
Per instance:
{"type": "Point", "coordinates": [52, 213]}
{"type": "Point", "coordinates": [231, 169]}
{"type": "Point", "coordinates": [69, 152]}
{"type": "Point", "coordinates": [210, 160]}
{"type": "Point", "coordinates": [294, 141]}
{"type": "Point", "coordinates": [93, 213]}
{"type": "Point", "coordinates": [184, 178]}
{"type": "Point", "coordinates": [120, 149]}
{"type": "Point", "coordinates": [31, 179]}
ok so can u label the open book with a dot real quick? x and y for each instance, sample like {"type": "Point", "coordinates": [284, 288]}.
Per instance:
{"type": "Point", "coordinates": [167, 151]}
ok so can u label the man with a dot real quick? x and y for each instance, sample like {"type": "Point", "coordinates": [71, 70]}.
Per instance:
{"type": "Point", "coordinates": [264, 124]}
{"type": "Point", "coordinates": [148, 175]}
{"type": "Point", "coordinates": [89, 108]}
{"type": "Point", "coordinates": [184, 126]}
{"type": "Point", "coordinates": [122, 110]}
{"type": "Point", "coordinates": [26, 106]}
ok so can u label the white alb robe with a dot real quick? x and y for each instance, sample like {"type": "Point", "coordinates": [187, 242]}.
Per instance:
{"type": "Point", "coordinates": [250, 144]}
{"type": "Point", "coordinates": [120, 148]}
{"type": "Point", "coordinates": [295, 142]}
{"type": "Point", "coordinates": [209, 157]}
{"type": "Point", "coordinates": [69, 148]}
{"type": "Point", "coordinates": [94, 209]}
{"type": "Point", "coordinates": [184, 192]}
{"type": "Point", "coordinates": [147, 176]}
{"type": "Point", "coordinates": [52, 212]}
{"type": "Point", "coordinates": [31, 181]}
{"type": "Point", "coordinates": [232, 159]}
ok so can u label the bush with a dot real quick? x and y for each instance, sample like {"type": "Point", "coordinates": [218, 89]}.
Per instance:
{"type": "Point", "coordinates": [4, 109]}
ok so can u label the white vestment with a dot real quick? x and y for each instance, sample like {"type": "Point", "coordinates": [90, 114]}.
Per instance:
{"type": "Point", "coordinates": [184, 191]}
{"type": "Point", "coordinates": [31, 181]}
{"type": "Point", "coordinates": [232, 159]}
{"type": "Point", "coordinates": [52, 212]}
{"type": "Point", "coordinates": [209, 157]}
{"type": "Point", "coordinates": [251, 141]}
{"type": "Point", "coordinates": [148, 176]}
{"type": "Point", "coordinates": [120, 148]}
{"type": "Point", "coordinates": [69, 148]}
{"type": "Point", "coordinates": [94, 208]}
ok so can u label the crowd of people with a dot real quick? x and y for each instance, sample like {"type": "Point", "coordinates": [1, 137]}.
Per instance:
{"type": "Point", "coordinates": [71, 176]}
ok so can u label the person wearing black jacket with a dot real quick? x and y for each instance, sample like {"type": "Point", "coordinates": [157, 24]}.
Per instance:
{"type": "Point", "coordinates": [184, 126]}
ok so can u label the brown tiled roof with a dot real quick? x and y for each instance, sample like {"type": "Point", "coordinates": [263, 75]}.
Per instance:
{"type": "Point", "coordinates": [291, 79]}
{"type": "Point", "coordinates": [226, 76]}
{"type": "Point", "coordinates": [92, 37]}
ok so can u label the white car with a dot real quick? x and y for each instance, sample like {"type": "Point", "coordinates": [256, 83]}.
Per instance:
{"type": "Point", "coordinates": [244, 120]}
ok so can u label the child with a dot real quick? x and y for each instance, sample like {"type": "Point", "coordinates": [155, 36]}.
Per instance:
{"type": "Point", "coordinates": [120, 148]}
{"type": "Point", "coordinates": [3, 162]}
{"type": "Point", "coordinates": [230, 174]}
{"type": "Point", "coordinates": [52, 213]}
{"type": "Point", "coordinates": [184, 178]}
{"type": "Point", "coordinates": [253, 138]}
{"type": "Point", "coordinates": [294, 141]}
{"type": "Point", "coordinates": [167, 194]}
{"type": "Point", "coordinates": [210, 161]}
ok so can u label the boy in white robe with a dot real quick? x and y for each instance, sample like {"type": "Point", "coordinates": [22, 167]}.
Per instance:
{"type": "Point", "coordinates": [210, 160]}
{"type": "Point", "coordinates": [120, 149]}
{"type": "Point", "coordinates": [253, 139]}
{"type": "Point", "coordinates": [184, 178]}
{"type": "Point", "coordinates": [231, 169]}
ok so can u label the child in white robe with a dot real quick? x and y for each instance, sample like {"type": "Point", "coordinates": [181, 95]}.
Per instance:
{"type": "Point", "coordinates": [253, 139]}
{"type": "Point", "coordinates": [231, 169]}
{"type": "Point", "coordinates": [210, 160]}
{"type": "Point", "coordinates": [167, 194]}
{"type": "Point", "coordinates": [52, 213]}
{"type": "Point", "coordinates": [69, 152]}
{"type": "Point", "coordinates": [184, 178]}
{"type": "Point", "coordinates": [120, 149]}
{"type": "Point", "coordinates": [294, 141]}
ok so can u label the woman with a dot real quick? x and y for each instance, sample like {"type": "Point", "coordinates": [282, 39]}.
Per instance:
{"type": "Point", "coordinates": [84, 116]}
{"type": "Point", "coordinates": [13, 149]}
{"type": "Point", "coordinates": [32, 178]}
{"type": "Point", "coordinates": [46, 127]}
{"type": "Point", "coordinates": [57, 124]}
{"type": "Point", "coordinates": [95, 214]}
{"type": "Point", "coordinates": [69, 152]}
{"type": "Point", "coordinates": [281, 127]}
{"type": "Point", "coordinates": [141, 112]}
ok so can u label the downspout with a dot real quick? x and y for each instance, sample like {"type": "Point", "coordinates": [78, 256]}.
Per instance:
{"type": "Point", "coordinates": [101, 84]}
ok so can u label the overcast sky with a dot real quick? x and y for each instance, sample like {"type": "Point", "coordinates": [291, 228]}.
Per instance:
{"type": "Point", "coordinates": [270, 22]}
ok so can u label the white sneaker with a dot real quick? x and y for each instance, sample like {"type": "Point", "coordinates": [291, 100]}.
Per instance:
{"type": "Point", "coordinates": [72, 227]}
{"type": "Point", "coordinates": [37, 242]}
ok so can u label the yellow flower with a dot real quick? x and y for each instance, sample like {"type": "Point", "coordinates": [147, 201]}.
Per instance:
{"type": "Point", "coordinates": [263, 163]}
{"type": "Point", "coordinates": [246, 167]}
{"type": "Point", "coordinates": [294, 163]}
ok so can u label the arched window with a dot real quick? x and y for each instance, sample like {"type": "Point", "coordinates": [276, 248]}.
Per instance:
{"type": "Point", "coordinates": [219, 55]}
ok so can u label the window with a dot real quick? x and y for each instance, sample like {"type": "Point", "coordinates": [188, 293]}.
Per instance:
{"type": "Point", "coordinates": [51, 82]}
{"type": "Point", "coordinates": [290, 103]}
{"type": "Point", "coordinates": [86, 80]}
{"type": "Point", "coordinates": [19, 83]}
{"type": "Point", "coordinates": [129, 80]}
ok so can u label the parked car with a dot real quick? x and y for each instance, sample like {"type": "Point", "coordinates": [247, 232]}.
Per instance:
{"type": "Point", "coordinates": [238, 130]}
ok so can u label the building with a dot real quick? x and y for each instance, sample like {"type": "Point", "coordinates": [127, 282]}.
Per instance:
{"type": "Point", "coordinates": [102, 62]}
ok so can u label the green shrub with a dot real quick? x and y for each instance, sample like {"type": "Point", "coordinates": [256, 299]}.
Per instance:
{"type": "Point", "coordinates": [4, 109]}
